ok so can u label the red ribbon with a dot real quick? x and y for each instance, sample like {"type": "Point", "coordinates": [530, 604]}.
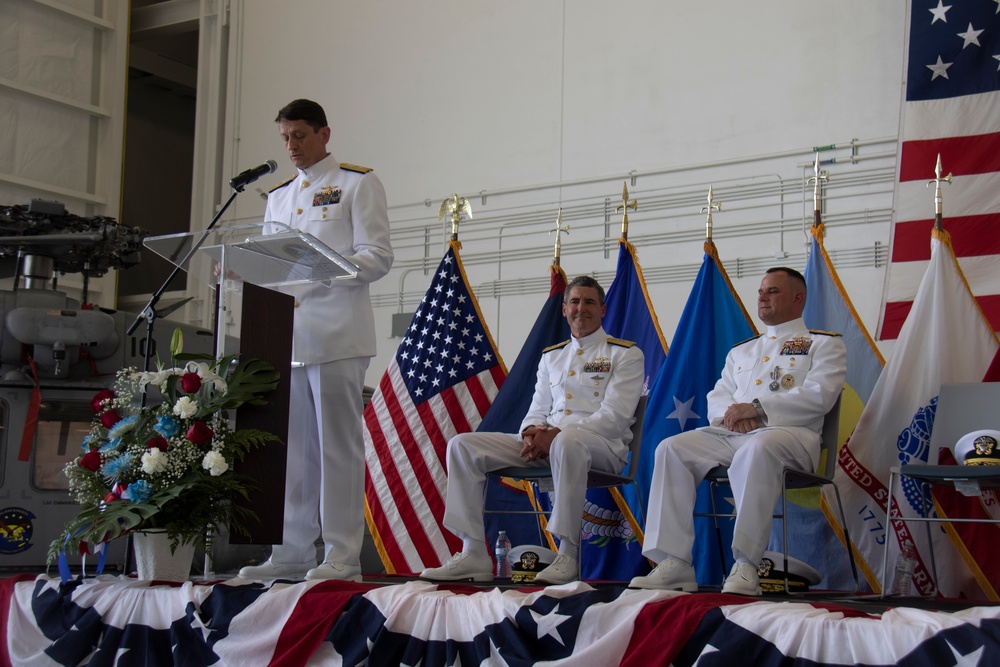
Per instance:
{"type": "Point", "coordinates": [31, 421]}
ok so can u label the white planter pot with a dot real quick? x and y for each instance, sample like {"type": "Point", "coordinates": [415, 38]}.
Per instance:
{"type": "Point", "coordinates": [154, 560]}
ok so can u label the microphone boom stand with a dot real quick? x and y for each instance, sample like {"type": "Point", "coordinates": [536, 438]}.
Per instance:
{"type": "Point", "coordinates": [149, 313]}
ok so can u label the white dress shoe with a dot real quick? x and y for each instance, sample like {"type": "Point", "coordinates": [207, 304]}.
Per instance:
{"type": "Point", "coordinates": [742, 580]}
{"type": "Point", "coordinates": [331, 570]}
{"type": "Point", "coordinates": [562, 571]}
{"type": "Point", "coordinates": [269, 570]}
{"type": "Point", "coordinates": [460, 567]}
{"type": "Point", "coordinates": [670, 575]}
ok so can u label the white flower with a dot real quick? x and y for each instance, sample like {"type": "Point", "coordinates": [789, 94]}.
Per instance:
{"type": "Point", "coordinates": [215, 463]}
{"type": "Point", "coordinates": [206, 374]}
{"type": "Point", "coordinates": [185, 408]}
{"type": "Point", "coordinates": [154, 461]}
{"type": "Point", "coordinates": [157, 379]}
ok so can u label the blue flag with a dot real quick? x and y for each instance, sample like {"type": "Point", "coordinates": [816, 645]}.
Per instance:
{"type": "Point", "coordinates": [712, 322]}
{"type": "Point", "coordinates": [507, 411]}
{"type": "Point", "coordinates": [611, 546]}
{"type": "Point", "coordinates": [809, 520]}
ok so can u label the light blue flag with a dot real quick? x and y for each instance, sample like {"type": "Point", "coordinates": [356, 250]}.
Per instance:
{"type": "Point", "coordinates": [611, 547]}
{"type": "Point", "coordinates": [811, 536]}
{"type": "Point", "coordinates": [712, 322]}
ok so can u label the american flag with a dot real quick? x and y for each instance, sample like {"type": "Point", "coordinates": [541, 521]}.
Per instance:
{"type": "Point", "coordinates": [951, 109]}
{"type": "Point", "coordinates": [441, 382]}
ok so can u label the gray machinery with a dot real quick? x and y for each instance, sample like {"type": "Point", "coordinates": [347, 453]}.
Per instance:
{"type": "Point", "coordinates": [55, 354]}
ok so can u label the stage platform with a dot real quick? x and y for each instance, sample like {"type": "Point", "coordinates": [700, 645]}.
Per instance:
{"type": "Point", "coordinates": [117, 620]}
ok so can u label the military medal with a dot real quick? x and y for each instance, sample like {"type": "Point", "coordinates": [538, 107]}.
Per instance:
{"type": "Point", "coordinates": [787, 381]}
{"type": "Point", "coordinates": [774, 386]}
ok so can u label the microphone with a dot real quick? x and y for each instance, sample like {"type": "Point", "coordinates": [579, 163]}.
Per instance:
{"type": "Point", "coordinates": [251, 175]}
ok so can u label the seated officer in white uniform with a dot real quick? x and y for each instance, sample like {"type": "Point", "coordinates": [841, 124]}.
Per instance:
{"type": "Point", "coordinates": [765, 412]}
{"type": "Point", "coordinates": [584, 401]}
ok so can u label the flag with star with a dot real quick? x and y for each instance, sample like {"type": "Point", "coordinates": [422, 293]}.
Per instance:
{"type": "Point", "coordinates": [612, 531]}
{"type": "Point", "coordinates": [713, 320]}
{"type": "Point", "coordinates": [507, 411]}
{"type": "Point", "coordinates": [441, 382]}
{"type": "Point", "coordinates": [951, 97]}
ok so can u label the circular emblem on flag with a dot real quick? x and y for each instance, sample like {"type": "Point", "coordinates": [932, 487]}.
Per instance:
{"type": "Point", "coordinates": [16, 529]}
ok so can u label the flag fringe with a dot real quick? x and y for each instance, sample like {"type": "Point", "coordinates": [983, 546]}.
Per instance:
{"type": "Point", "coordinates": [818, 233]}
{"type": "Point", "coordinates": [984, 583]}
{"type": "Point", "coordinates": [456, 246]}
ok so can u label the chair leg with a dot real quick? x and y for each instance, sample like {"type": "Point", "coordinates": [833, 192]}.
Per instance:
{"type": "Point", "coordinates": [925, 486]}
{"type": "Point", "coordinates": [888, 532]}
{"type": "Point", "coordinates": [718, 529]}
{"type": "Point", "coordinates": [847, 539]}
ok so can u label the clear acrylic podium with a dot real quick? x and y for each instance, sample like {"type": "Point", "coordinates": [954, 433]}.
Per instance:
{"type": "Point", "coordinates": [266, 254]}
{"type": "Point", "coordinates": [242, 264]}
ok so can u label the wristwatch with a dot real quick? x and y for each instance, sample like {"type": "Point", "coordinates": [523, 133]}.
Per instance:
{"type": "Point", "coordinates": [760, 410]}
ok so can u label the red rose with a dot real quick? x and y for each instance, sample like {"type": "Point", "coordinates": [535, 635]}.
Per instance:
{"type": "Point", "coordinates": [199, 433]}
{"type": "Point", "coordinates": [96, 403]}
{"type": "Point", "coordinates": [190, 383]}
{"type": "Point", "coordinates": [91, 460]}
{"type": "Point", "coordinates": [157, 443]}
{"type": "Point", "coordinates": [109, 418]}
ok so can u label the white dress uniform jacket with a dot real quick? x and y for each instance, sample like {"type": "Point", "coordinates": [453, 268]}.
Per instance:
{"type": "Point", "coordinates": [591, 383]}
{"type": "Point", "coordinates": [345, 209]}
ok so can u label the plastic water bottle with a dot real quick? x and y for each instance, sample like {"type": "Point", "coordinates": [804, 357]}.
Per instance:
{"type": "Point", "coordinates": [501, 550]}
{"type": "Point", "coordinates": [906, 563]}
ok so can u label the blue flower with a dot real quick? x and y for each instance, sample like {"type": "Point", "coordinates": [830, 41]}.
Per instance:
{"type": "Point", "coordinates": [116, 467]}
{"type": "Point", "coordinates": [166, 426]}
{"type": "Point", "coordinates": [110, 445]}
{"type": "Point", "coordinates": [88, 441]}
{"type": "Point", "coordinates": [123, 426]}
{"type": "Point", "coordinates": [139, 491]}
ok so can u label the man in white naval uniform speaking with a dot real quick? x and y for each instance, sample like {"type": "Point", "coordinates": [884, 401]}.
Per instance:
{"type": "Point", "coordinates": [344, 206]}
{"type": "Point", "coordinates": [585, 396]}
{"type": "Point", "coordinates": [765, 412]}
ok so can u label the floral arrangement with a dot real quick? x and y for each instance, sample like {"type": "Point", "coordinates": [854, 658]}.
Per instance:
{"type": "Point", "coordinates": [168, 464]}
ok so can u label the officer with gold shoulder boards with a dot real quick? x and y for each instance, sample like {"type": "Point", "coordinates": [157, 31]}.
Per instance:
{"type": "Point", "coordinates": [585, 396]}
{"type": "Point", "coordinates": [344, 206]}
{"type": "Point", "coordinates": [765, 412]}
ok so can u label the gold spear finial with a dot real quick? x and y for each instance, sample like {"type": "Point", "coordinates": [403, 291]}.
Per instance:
{"type": "Point", "coordinates": [626, 205]}
{"type": "Point", "coordinates": [457, 207]}
{"type": "Point", "coordinates": [938, 199]}
{"type": "Point", "coordinates": [817, 179]}
{"type": "Point", "coordinates": [712, 206]}
{"type": "Point", "coordinates": [560, 229]}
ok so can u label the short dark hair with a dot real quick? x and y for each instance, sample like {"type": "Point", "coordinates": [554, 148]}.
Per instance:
{"type": "Point", "coordinates": [585, 281]}
{"type": "Point", "coordinates": [307, 110]}
{"type": "Point", "coordinates": [791, 273]}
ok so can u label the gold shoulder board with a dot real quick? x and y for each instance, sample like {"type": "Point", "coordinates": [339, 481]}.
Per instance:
{"type": "Point", "coordinates": [281, 185]}
{"type": "Point", "coordinates": [619, 341]}
{"type": "Point", "coordinates": [556, 346]}
{"type": "Point", "coordinates": [748, 340]}
{"type": "Point", "coordinates": [354, 167]}
{"type": "Point", "coordinates": [824, 333]}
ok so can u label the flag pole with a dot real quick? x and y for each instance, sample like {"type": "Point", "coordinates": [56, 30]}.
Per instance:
{"type": "Point", "coordinates": [712, 206]}
{"type": "Point", "coordinates": [560, 229]}
{"type": "Point", "coordinates": [626, 205]}
{"type": "Point", "coordinates": [937, 181]}
{"type": "Point", "coordinates": [817, 179]}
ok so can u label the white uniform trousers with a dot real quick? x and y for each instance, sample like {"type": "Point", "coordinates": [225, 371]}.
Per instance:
{"type": "Point", "coordinates": [325, 476]}
{"type": "Point", "coordinates": [755, 463]}
{"type": "Point", "coordinates": [572, 455]}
